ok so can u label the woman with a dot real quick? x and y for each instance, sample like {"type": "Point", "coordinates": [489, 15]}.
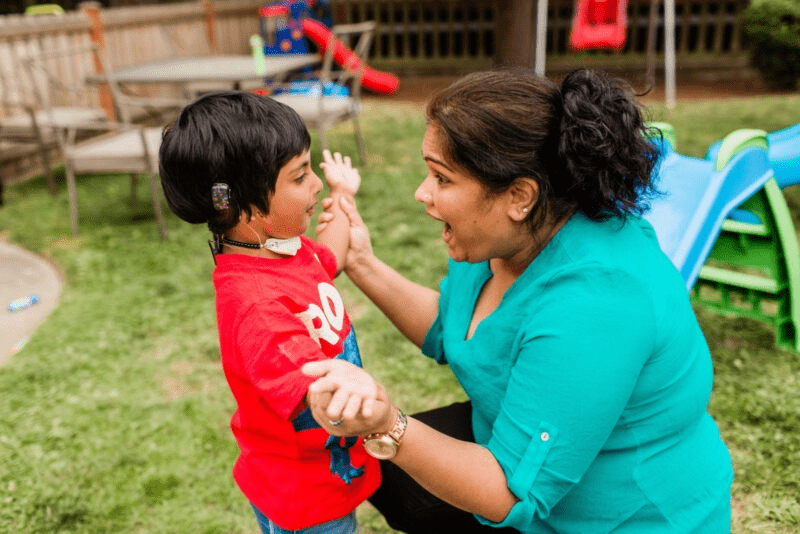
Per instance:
{"type": "Point", "coordinates": [570, 331]}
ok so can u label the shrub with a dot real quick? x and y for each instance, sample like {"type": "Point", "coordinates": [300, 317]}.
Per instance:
{"type": "Point", "coordinates": [773, 27]}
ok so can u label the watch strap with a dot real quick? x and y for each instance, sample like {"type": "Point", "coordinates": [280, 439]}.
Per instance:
{"type": "Point", "coordinates": [397, 431]}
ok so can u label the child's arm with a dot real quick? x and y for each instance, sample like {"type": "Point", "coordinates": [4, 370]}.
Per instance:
{"type": "Point", "coordinates": [343, 180]}
{"type": "Point", "coordinates": [346, 401]}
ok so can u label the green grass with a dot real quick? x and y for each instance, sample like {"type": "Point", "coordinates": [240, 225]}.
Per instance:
{"type": "Point", "coordinates": [115, 413]}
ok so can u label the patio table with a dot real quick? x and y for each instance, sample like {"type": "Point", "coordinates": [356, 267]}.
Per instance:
{"type": "Point", "coordinates": [235, 71]}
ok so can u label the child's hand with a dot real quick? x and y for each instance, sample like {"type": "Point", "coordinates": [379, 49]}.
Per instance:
{"type": "Point", "coordinates": [340, 174]}
{"type": "Point", "coordinates": [346, 400]}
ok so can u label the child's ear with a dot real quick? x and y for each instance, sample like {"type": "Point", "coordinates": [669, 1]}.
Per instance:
{"type": "Point", "coordinates": [523, 195]}
{"type": "Point", "coordinates": [247, 216]}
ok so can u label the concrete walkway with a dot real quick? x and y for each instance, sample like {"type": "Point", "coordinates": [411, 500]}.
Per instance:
{"type": "Point", "coordinates": [23, 274]}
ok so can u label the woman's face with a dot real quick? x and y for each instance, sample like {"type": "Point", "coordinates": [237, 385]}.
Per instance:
{"type": "Point", "coordinates": [476, 226]}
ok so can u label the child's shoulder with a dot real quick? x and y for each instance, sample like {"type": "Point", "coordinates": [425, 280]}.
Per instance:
{"type": "Point", "coordinates": [313, 246]}
{"type": "Point", "coordinates": [323, 253]}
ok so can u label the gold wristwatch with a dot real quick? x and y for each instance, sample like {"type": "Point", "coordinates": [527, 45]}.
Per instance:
{"type": "Point", "coordinates": [383, 445]}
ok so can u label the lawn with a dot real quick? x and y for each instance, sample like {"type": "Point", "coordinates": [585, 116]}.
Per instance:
{"type": "Point", "coordinates": [115, 413]}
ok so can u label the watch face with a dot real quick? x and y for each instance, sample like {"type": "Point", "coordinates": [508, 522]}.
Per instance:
{"type": "Point", "coordinates": [382, 448]}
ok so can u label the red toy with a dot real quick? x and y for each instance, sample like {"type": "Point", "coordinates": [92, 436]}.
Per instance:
{"type": "Point", "coordinates": [599, 24]}
{"type": "Point", "coordinates": [374, 80]}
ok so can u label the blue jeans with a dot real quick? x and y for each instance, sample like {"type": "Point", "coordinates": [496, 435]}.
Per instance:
{"type": "Point", "coordinates": [343, 525]}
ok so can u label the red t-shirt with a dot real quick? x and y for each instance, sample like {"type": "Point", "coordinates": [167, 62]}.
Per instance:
{"type": "Point", "coordinates": [273, 316]}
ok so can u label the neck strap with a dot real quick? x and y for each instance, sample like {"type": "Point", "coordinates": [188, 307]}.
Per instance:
{"type": "Point", "coordinates": [286, 247]}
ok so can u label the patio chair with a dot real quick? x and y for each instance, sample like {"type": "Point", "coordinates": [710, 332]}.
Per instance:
{"type": "Point", "coordinates": [124, 148]}
{"type": "Point", "coordinates": [21, 136]}
{"type": "Point", "coordinates": [11, 152]}
{"type": "Point", "coordinates": [321, 103]}
{"type": "Point", "coordinates": [25, 121]}
{"type": "Point", "coordinates": [23, 132]}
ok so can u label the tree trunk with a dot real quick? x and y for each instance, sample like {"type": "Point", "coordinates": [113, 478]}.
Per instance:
{"type": "Point", "coordinates": [514, 33]}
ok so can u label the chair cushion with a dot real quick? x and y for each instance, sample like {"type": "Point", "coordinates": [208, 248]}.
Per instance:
{"type": "Point", "coordinates": [307, 106]}
{"type": "Point", "coordinates": [117, 152]}
{"type": "Point", "coordinates": [61, 118]}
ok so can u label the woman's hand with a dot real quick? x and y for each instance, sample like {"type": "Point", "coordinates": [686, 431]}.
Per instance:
{"type": "Point", "coordinates": [340, 174]}
{"type": "Point", "coordinates": [327, 214]}
{"type": "Point", "coordinates": [348, 393]}
{"type": "Point", "coordinates": [360, 246]}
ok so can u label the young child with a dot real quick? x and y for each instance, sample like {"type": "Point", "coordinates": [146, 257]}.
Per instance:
{"type": "Point", "coordinates": [240, 163]}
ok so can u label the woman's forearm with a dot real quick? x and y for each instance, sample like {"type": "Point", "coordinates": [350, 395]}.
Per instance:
{"type": "Point", "coordinates": [463, 474]}
{"type": "Point", "coordinates": [410, 306]}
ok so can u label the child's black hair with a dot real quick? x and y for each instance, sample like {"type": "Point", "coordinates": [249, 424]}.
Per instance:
{"type": "Point", "coordinates": [231, 137]}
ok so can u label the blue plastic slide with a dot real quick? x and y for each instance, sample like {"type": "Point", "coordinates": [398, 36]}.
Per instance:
{"type": "Point", "coordinates": [699, 194]}
{"type": "Point", "coordinates": [783, 154]}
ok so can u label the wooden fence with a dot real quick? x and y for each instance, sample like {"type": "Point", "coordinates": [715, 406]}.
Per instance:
{"type": "Point", "coordinates": [413, 36]}
{"type": "Point", "coordinates": [428, 36]}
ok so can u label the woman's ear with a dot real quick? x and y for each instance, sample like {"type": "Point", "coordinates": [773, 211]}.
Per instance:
{"type": "Point", "coordinates": [523, 195]}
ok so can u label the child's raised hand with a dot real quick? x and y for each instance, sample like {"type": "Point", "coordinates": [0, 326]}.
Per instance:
{"type": "Point", "coordinates": [340, 174]}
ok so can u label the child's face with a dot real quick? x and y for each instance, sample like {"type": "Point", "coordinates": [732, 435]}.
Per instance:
{"type": "Point", "coordinates": [292, 205]}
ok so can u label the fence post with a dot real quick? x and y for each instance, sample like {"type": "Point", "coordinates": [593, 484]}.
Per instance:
{"type": "Point", "coordinates": [211, 25]}
{"type": "Point", "coordinates": [92, 12]}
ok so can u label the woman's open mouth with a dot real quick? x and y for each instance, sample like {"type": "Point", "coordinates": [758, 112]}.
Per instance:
{"type": "Point", "coordinates": [447, 232]}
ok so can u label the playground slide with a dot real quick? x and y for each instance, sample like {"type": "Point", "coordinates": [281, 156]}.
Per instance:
{"type": "Point", "coordinates": [784, 157]}
{"type": "Point", "coordinates": [599, 24]}
{"type": "Point", "coordinates": [698, 195]}
{"type": "Point", "coordinates": [374, 80]}
{"type": "Point", "coordinates": [783, 153]}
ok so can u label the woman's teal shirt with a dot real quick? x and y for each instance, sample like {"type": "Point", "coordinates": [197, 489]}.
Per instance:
{"type": "Point", "coordinates": [589, 383]}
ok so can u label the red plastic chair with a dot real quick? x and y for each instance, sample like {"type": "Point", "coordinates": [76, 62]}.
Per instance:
{"type": "Point", "coordinates": [599, 24]}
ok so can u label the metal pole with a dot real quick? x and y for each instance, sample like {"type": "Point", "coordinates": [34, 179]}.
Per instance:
{"type": "Point", "coordinates": [541, 37]}
{"type": "Point", "coordinates": [669, 53]}
{"type": "Point", "coordinates": [650, 75]}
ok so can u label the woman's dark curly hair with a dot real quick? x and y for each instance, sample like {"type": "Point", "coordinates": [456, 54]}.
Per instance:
{"type": "Point", "coordinates": [584, 143]}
